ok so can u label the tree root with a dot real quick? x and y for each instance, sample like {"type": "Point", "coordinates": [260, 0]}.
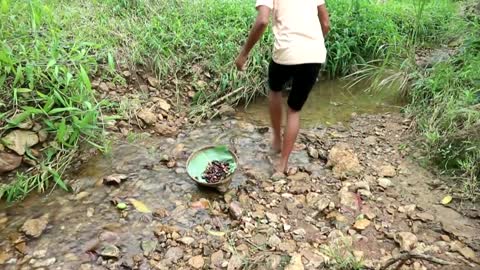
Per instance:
{"type": "Point", "coordinates": [404, 256]}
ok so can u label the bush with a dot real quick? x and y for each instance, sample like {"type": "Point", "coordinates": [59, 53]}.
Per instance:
{"type": "Point", "coordinates": [446, 104]}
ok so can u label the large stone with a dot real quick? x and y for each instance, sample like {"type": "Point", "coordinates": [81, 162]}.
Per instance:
{"type": "Point", "coordinates": [20, 140]}
{"type": "Point", "coordinates": [465, 251]}
{"type": "Point", "coordinates": [164, 105]}
{"type": "Point", "coordinates": [295, 263]}
{"type": "Point", "coordinates": [216, 259]}
{"type": "Point", "coordinates": [312, 152]}
{"type": "Point", "coordinates": [343, 161]}
{"type": "Point", "coordinates": [147, 116]}
{"type": "Point", "coordinates": [226, 110]}
{"type": "Point", "coordinates": [406, 240]}
{"type": "Point", "coordinates": [148, 246]}
{"type": "Point", "coordinates": [384, 182]}
{"type": "Point", "coordinates": [314, 257]}
{"type": "Point", "coordinates": [288, 246]}
{"type": "Point", "coordinates": [300, 176]}
{"type": "Point", "coordinates": [348, 199]}
{"type": "Point", "coordinates": [186, 240]}
{"type": "Point", "coordinates": [154, 82]}
{"type": "Point", "coordinates": [173, 254]}
{"type": "Point", "coordinates": [273, 262]}
{"type": "Point", "coordinates": [109, 251]}
{"type": "Point", "coordinates": [456, 224]}
{"type": "Point", "coordinates": [35, 227]}
{"type": "Point", "coordinates": [44, 263]}
{"type": "Point", "coordinates": [274, 241]}
{"type": "Point", "coordinates": [361, 224]}
{"type": "Point", "coordinates": [165, 130]}
{"type": "Point", "coordinates": [236, 210]}
{"type": "Point", "coordinates": [9, 162]}
{"type": "Point", "coordinates": [323, 203]}
{"type": "Point", "coordinates": [196, 262]}
{"type": "Point", "coordinates": [235, 262]}
{"type": "Point", "coordinates": [387, 171]}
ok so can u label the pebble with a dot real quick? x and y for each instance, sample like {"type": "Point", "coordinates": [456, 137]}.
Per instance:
{"type": "Point", "coordinates": [196, 262]}
{"type": "Point", "coordinates": [235, 210]}
{"type": "Point", "coordinates": [44, 263]}
{"type": "Point", "coordinates": [40, 253]}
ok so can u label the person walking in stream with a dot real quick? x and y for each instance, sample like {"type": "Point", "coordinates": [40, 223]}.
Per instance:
{"type": "Point", "coordinates": [300, 28]}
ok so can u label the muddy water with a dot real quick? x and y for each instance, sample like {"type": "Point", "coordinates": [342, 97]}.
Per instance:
{"type": "Point", "coordinates": [77, 220]}
{"type": "Point", "coordinates": [331, 102]}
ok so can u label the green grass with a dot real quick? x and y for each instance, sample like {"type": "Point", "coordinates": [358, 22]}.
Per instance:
{"type": "Point", "coordinates": [51, 49]}
{"type": "Point", "coordinates": [445, 102]}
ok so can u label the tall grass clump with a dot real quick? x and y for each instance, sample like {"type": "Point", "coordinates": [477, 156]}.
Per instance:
{"type": "Point", "coordinates": [445, 101]}
{"type": "Point", "coordinates": [44, 77]}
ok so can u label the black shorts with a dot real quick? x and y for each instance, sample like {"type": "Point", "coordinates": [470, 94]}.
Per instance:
{"type": "Point", "coordinates": [304, 77]}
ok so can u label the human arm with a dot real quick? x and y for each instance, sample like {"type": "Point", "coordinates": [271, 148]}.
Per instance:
{"type": "Point", "coordinates": [256, 33]}
{"type": "Point", "coordinates": [324, 19]}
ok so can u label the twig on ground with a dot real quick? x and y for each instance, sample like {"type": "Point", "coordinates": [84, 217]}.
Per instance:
{"type": "Point", "coordinates": [410, 255]}
{"type": "Point", "coordinates": [220, 100]}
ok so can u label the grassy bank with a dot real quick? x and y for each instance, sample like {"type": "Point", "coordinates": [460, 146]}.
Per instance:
{"type": "Point", "coordinates": [445, 101]}
{"type": "Point", "coordinates": [50, 50]}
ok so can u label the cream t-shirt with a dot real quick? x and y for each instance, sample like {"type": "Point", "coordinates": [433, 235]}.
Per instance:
{"type": "Point", "coordinates": [297, 30]}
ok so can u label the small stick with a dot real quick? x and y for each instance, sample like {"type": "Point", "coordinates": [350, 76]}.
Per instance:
{"type": "Point", "coordinates": [409, 255]}
{"type": "Point", "coordinates": [218, 101]}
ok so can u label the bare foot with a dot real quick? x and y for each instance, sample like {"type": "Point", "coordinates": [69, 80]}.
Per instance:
{"type": "Point", "coordinates": [281, 167]}
{"type": "Point", "coordinates": [277, 145]}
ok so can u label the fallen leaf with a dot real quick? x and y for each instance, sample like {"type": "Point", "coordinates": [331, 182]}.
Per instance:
{"type": "Point", "coordinates": [122, 206]}
{"type": "Point", "coordinates": [140, 206]}
{"type": "Point", "coordinates": [114, 179]}
{"type": "Point", "coordinates": [216, 233]}
{"type": "Point", "coordinates": [446, 200]}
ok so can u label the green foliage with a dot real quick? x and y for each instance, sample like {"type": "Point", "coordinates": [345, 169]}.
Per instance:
{"type": "Point", "coordinates": [44, 76]}
{"type": "Point", "coordinates": [446, 103]}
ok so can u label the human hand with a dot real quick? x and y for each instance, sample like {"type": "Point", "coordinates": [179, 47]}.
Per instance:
{"type": "Point", "coordinates": [241, 61]}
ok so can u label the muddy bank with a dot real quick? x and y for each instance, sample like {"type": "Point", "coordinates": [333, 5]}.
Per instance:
{"type": "Point", "coordinates": [353, 197]}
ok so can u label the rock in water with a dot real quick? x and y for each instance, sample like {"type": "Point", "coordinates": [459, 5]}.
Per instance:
{"type": "Point", "coordinates": [35, 227]}
{"type": "Point", "coordinates": [148, 247]}
{"type": "Point", "coordinates": [19, 140]}
{"type": "Point", "coordinates": [109, 251]}
{"type": "Point", "coordinates": [406, 240]}
{"type": "Point", "coordinates": [9, 162]}
{"type": "Point", "coordinates": [235, 210]}
{"type": "Point", "coordinates": [295, 263]}
{"type": "Point", "coordinates": [174, 254]}
{"type": "Point", "coordinates": [226, 110]}
{"type": "Point", "coordinates": [196, 262]}
{"type": "Point", "coordinates": [344, 161]}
